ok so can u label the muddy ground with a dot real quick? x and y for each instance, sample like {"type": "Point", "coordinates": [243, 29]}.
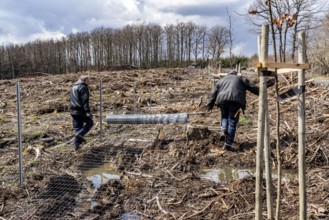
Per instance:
{"type": "Point", "coordinates": [155, 169]}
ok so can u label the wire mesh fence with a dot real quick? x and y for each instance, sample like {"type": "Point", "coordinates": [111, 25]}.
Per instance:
{"type": "Point", "coordinates": [63, 184]}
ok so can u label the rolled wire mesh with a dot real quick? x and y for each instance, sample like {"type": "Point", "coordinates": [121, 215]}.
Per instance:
{"type": "Point", "coordinates": [180, 118]}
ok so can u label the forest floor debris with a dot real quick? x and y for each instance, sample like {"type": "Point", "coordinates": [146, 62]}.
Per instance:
{"type": "Point", "coordinates": [150, 171]}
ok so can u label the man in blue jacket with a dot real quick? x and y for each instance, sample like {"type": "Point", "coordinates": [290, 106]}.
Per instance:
{"type": "Point", "coordinates": [230, 96]}
{"type": "Point", "coordinates": [80, 110]}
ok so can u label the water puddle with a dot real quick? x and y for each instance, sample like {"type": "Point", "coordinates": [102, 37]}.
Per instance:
{"type": "Point", "coordinates": [98, 176]}
{"type": "Point", "coordinates": [105, 168]}
{"type": "Point", "coordinates": [101, 175]}
{"type": "Point", "coordinates": [230, 173]}
{"type": "Point", "coordinates": [102, 178]}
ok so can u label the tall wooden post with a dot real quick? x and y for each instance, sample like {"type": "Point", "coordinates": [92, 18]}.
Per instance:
{"type": "Point", "coordinates": [261, 125]}
{"type": "Point", "coordinates": [268, 165]}
{"type": "Point", "coordinates": [301, 129]}
{"type": "Point", "coordinates": [220, 68]}
{"type": "Point", "coordinates": [267, 147]}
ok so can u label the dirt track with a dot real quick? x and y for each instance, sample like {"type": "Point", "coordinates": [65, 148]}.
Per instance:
{"type": "Point", "coordinates": [157, 167]}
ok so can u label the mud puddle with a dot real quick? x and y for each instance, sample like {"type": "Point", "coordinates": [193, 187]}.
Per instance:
{"type": "Point", "coordinates": [97, 177]}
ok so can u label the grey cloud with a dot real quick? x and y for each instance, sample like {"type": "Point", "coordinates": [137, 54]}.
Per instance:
{"type": "Point", "coordinates": [140, 5]}
{"type": "Point", "coordinates": [217, 10]}
{"type": "Point", "coordinates": [61, 14]}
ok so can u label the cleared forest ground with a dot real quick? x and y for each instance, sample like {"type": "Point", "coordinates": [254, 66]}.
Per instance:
{"type": "Point", "coordinates": [151, 171]}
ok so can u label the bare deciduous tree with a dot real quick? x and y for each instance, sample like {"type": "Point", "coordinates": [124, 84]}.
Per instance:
{"type": "Point", "coordinates": [198, 46]}
{"type": "Point", "coordinates": [218, 40]}
{"type": "Point", "coordinates": [230, 33]}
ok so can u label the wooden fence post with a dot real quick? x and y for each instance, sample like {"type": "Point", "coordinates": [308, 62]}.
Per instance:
{"type": "Point", "coordinates": [268, 165]}
{"type": "Point", "coordinates": [267, 142]}
{"type": "Point", "coordinates": [301, 129]}
{"type": "Point", "coordinates": [261, 125]}
{"type": "Point", "coordinates": [220, 68]}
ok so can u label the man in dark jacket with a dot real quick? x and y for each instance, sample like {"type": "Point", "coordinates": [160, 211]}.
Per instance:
{"type": "Point", "coordinates": [230, 96]}
{"type": "Point", "coordinates": [80, 110]}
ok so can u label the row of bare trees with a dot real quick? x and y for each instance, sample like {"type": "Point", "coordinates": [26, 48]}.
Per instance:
{"type": "Point", "coordinates": [142, 45]}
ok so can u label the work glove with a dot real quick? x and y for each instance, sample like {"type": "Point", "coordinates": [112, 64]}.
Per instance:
{"type": "Point", "coordinates": [270, 82]}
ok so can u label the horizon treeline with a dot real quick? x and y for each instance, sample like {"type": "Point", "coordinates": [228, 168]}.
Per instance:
{"type": "Point", "coordinates": [141, 45]}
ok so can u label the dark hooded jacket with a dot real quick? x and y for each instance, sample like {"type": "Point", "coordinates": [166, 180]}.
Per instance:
{"type": "Point", "coordinates": [232, 88]}
{"type": "Point", "coordinates": [79, 99]}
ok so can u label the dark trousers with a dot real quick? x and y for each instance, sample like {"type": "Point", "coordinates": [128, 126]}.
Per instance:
{"type": "Point", "coordinates": [82, 125]}
{"type": "Point", "coordinates": [229, 121]}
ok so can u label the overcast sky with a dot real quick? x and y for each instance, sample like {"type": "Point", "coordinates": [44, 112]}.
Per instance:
{"type": "Point", "coordinates": [22, 21]}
